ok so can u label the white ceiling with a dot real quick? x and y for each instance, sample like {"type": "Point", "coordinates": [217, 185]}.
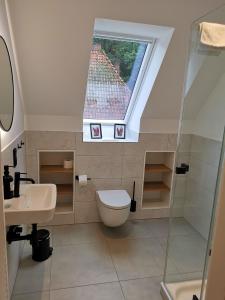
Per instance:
{"type": "Point", "coordinates": [53, 40]}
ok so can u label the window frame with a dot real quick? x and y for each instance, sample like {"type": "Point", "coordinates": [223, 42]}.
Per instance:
{"type": "Point", "coordinates": [162, 36]}
{"type": "Point", "coordinates": [141, 74]}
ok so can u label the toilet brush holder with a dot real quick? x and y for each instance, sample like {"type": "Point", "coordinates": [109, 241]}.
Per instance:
{"type": "Point", "coordinates": [133, 203]}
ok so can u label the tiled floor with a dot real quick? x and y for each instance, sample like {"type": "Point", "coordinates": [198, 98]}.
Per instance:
{"type": "Point", "coordinates": [91, 261]}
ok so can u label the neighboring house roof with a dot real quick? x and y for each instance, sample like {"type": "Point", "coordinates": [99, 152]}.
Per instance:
{"type": "Point", "coordinates": [107, 95]}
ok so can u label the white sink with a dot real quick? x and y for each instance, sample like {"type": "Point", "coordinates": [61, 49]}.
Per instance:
{"type": "Point", "coordinates": [36, 204]}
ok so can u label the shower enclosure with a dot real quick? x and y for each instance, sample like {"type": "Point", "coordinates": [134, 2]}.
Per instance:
{"type": "Point", "coordinates": [198, 163]}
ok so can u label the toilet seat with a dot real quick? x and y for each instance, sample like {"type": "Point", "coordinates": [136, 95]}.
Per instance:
{"type": "Point", "coordinates": [114, 199]}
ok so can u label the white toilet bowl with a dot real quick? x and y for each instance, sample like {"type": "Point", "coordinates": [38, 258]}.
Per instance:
{"type": "Point", "coordinates": [113, 206]}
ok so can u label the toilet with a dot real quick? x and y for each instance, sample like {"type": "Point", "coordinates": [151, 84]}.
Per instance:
{"type": "Point", "coordinates": [113, 206]}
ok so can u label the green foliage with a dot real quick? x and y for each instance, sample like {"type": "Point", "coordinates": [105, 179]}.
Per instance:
{"type": "Point", "coordinates": [120, 52]}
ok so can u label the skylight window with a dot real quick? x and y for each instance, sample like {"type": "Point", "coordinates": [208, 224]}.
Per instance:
{"type": "Point", "coordinates": [124, 62]}
{"type": "Point", "coordinates": [114, 70]}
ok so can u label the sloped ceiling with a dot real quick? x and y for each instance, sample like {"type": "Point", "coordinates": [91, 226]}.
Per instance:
{"type": "Point", "coordinates": [53, 40]}
{"type": "Point", "coordinates": [204, 84]}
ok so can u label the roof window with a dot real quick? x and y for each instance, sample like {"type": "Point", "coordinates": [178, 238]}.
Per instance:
{"type": "Point", "coordinates": [124, 61]}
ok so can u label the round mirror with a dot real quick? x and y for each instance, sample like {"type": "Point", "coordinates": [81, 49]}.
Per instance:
{"type": "Point", "coordinates": [6, 88]}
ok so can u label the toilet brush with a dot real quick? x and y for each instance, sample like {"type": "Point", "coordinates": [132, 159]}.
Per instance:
{"type": "Point", "coordinates": [133, 202]}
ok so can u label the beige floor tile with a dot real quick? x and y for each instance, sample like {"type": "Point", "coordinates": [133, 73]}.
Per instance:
{"type": "Point", "coordinates": [137, 258]}
{"type": "Point", "coordinates": [77, 234]}
{"type": "Point", "coordinates": [83, 257]}
{"type": "Point", "coordinates": [184, 276]}
{"type": "Point", "coordinates": [130, 230]}
{"type": "Point", "coordinates": [163, 242]}
{"type": "Point", "coordinates": [158, 227]}
{"type": "Point", "coordinates": [81, 265]}
{"type": "Point", "coordinates": [142, 289]}
{"type": "Point", "coordinates": [187, 253]}
{"type": "Point", "coordinates": [165, 262]}
{"type": "Point", "coordinates": [107, 291]}
{"type": "Point", "coordinates": [32, 276]}
{"type": "Point", "coordinates": [179, 226]}
{"type": "Point", "coordinates": [33, 296]}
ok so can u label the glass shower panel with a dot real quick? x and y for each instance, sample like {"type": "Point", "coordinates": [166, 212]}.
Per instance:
{"type": "Point", "coordinates": [197, 164]}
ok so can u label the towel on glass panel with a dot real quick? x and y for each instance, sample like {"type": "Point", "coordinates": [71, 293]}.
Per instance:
{"type": "Point", "coordinates": [212, 34]}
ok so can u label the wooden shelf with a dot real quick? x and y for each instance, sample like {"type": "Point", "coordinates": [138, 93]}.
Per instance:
{"type": "Point", "coordinates": [63, 208]}
{"type": "Point", "coordinates": [155, 186]}
{"type": "Point", "coordinates": [54, 169]}
{"type": "Point", "coordinates": [157, 181]}
{"type": "Point", "coordinates": [157, 168]}
{"type": "Point", "coordinates": [154, 203]}
{"type": "Point", "coordinates": [65, 189]}
{"type": "Point", "coordinates": [51, 170]}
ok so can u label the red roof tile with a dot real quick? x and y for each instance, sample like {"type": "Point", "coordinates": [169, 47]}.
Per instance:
{"type": "Point", "coordinates": [107, 95]}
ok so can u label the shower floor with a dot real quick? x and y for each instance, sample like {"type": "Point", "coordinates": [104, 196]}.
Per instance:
{"type": "Point", "coordinates": [91, 261]}
{"type": "Point", "coordinates": [185, 290]}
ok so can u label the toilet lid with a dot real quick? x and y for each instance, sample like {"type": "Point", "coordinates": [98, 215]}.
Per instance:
{"type": "Point", "coordinates": [115, 199]}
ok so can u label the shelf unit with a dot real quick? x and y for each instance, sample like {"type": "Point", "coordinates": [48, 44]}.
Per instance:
{"type": "Point", "coordinates": [157, 168]}
{"type": "Point", "coordinates": [156, 186]}
{"type": "Point", "coordinates": [51, 170]}
{"type": "Point", "coordinates": [54, 169]}
{"type": "Point", "coordinates": [65, 189]}
{"type": "Point", "coordinates": [157, 180]}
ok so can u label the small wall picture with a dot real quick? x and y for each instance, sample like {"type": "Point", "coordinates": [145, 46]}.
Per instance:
{"type": "Point", "coordinates": [119, 131]}
{"type": "Point", "coordinates": [96, 131]}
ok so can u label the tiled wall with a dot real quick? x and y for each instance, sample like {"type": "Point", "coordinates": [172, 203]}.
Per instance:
{"type": "Point", "coordinates": [109, 165]}
{"type": "Point", "coordinates": [117, 165]}
{"type": "Point", "coordinates": [201, 182]}
{"type": "Point", "coordinates": [180, 181]}
{"type": "Point", "coordinates": [194, 192]}
{"type": "Point", "coordinates": [14, 250]}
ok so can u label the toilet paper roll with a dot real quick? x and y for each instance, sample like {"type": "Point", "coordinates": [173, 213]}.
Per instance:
{"type": "Point", "coordinates": [68, 164]}
{"type": "Point", "coordinates": [82, 180]}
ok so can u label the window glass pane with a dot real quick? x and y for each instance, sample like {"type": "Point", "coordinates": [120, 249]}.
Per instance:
{"type": "Point", "coordinates": [113, 72]}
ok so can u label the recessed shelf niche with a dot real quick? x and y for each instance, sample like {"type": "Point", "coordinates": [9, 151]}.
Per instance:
{"type": "Point", "coordinates": [157, 179]}
{"type": "Point", "coordinates": [51, 170]}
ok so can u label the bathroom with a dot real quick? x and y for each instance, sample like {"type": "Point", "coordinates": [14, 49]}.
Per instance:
{"type": "Point", "coordinates": [136, 189]}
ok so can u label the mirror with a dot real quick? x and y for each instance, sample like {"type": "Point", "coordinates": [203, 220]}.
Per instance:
{"type": "Point", "coordinates": [6, 88]}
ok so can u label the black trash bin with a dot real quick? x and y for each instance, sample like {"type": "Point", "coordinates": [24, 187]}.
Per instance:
{"type": "Point", "coordinates": [41, 249]}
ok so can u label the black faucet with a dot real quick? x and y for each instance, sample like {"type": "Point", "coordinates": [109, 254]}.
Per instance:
{"type": "Point", "coordinates": [17, 180]}
{"type": "Point", "coordinates": [7, 179]}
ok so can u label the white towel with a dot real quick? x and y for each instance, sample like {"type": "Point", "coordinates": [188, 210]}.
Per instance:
{"type": "Point", "coordinates": [212, 34]}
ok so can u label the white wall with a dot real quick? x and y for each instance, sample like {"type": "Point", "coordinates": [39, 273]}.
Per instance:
{"type": "Point", "coordinates": [7, 138]}
{"type": "Point", "coordinates": [18, 122]}
{"type": "Point", "coordinates": [54, 54]}
{"type": "Point", "coordinates": [210, 120]}
{"type": "Point", "coordinates": [3, 260]}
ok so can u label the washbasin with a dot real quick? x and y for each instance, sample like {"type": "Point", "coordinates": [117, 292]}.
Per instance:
{"type": "Point", "coordinates": [36, 204]}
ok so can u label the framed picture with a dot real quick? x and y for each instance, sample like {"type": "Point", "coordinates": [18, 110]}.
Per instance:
{"type": "Point", "coordinates": [96, 131]}
{"type": "Point", "coordinates": [119, 131]}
